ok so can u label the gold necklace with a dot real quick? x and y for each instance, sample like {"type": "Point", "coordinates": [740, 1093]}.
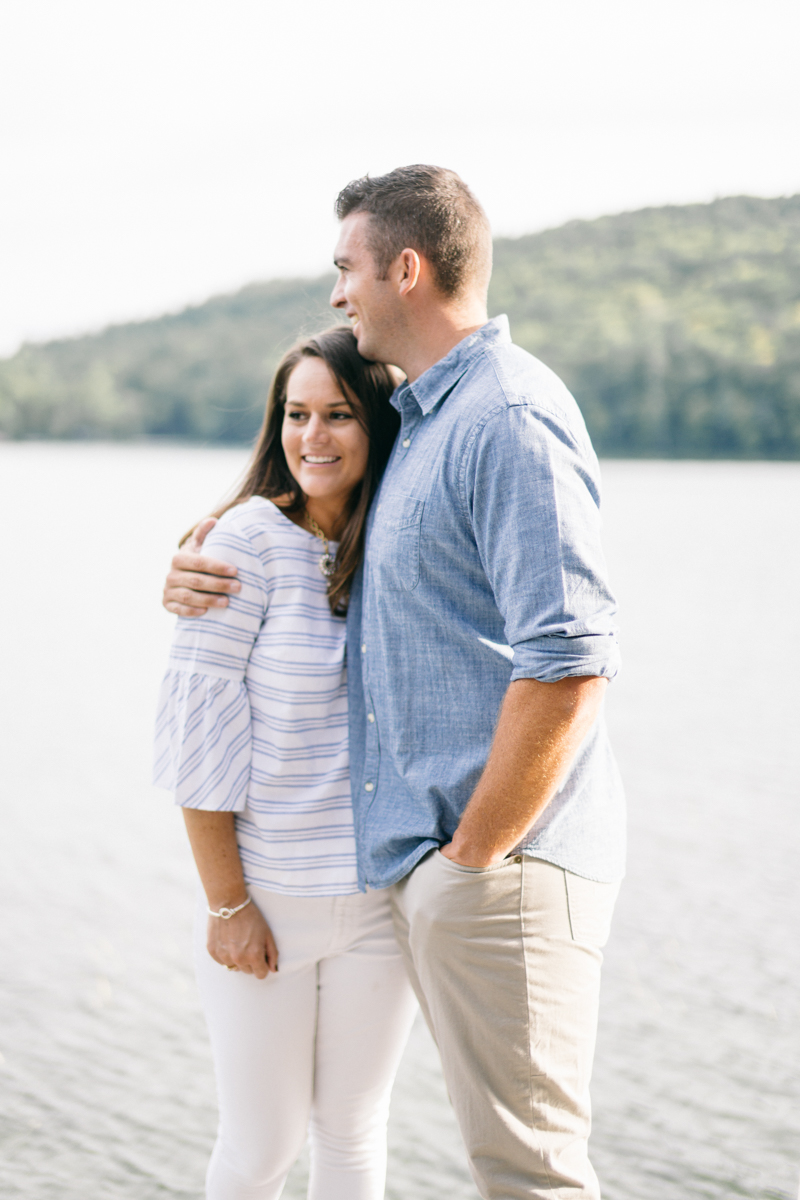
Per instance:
{"type": "Point", "coordinates": [327, 561]}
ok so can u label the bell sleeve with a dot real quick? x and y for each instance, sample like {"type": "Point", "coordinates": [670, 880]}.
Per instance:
{"type": "Point", "coordinates": [203, 738]}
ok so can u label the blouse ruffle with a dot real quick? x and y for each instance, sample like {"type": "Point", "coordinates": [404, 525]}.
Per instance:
{"type": "Point", "coordinates": [203, 742]}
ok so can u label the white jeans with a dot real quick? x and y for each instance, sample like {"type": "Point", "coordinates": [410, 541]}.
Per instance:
{"type": "Point", "coordinates": [313, 1049]}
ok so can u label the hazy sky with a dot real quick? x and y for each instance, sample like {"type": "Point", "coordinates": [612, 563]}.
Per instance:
{"type": "Point", "coordinates": [154, 153]}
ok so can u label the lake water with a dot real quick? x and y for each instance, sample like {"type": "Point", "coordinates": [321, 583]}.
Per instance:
{"type": "Point", "coordinates": [106, 1091]}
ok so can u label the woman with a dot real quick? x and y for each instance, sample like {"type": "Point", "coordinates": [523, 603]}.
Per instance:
{"type": "Point", "coordinates": [306, 998]}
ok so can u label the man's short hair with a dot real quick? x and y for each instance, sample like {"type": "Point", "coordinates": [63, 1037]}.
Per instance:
{"type": "Point", "coordinates": [430, 210]}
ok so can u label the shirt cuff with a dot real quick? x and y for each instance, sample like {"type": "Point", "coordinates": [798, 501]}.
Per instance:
{"type": "Point", "coordinates": [549, 659]}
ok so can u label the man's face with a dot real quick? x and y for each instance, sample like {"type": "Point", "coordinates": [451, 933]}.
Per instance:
{"type": "Point", "coordinates": [372, 304]}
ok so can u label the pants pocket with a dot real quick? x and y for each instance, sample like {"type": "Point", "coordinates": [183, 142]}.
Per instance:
{"type": "Point", "coordinates": [460, 869]}
{"type": "Point", "coordinates": [591, 906]}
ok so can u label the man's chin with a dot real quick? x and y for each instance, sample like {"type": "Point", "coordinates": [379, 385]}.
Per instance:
{"type": "Point", "coordinates": [366, 348]}
{"type": "Point", "coordinates": [362, 341]}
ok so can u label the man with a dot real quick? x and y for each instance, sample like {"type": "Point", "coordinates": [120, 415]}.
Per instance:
{"type": "Point", "coordinates": [480, 642]}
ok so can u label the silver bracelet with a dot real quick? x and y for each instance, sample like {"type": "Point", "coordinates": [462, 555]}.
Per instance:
{"type": "Point", "coordinates": [227, 913]}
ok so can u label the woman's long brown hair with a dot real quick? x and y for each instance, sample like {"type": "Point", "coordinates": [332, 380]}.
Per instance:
{"type": "Point", "coordinates": [367, 387]}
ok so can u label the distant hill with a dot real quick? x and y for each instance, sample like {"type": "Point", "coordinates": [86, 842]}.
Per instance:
{"type": "Point", "coordinates": [677, 328]}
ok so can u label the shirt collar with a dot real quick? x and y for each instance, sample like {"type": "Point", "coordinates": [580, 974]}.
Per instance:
{"type": "Point", "coordinates": [431, 385]}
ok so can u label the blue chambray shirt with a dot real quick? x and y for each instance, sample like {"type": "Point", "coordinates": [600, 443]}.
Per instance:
{"type": "Point", "coordinates": [483, 565]}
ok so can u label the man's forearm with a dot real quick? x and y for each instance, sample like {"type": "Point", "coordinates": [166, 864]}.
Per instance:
{"type": "Point", "coordinates": [540, 728]}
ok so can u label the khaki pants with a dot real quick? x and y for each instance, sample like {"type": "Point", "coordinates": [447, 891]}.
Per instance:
{"type": "Point", "coordinates": [505, 962]}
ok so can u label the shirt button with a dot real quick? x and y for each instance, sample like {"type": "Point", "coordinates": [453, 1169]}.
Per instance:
{"type": "Point", "coordinates": [368, 787]}
{"type": "Point", "coordinates": [364, 648]}
{"type": "Point", "coordinates": [371, 718]}
{"type": "Point", "coordinates": [406, 442]}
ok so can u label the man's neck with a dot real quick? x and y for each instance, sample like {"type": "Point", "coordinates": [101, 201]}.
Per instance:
{"type": "Point", "coordinates": [436, 337]}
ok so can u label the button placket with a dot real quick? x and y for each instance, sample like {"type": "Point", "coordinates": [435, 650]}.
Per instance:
{"type": "Point", "coordinates": [371, 768]}
{"type": "Point", "coordinates": [411, 419]}
{"type": "Point", "coordinates": [372, 746]}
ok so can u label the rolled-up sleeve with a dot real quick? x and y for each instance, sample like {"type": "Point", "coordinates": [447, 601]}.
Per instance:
{"type": "Point", "coordinates": [203, 738]}
{"type": "Point", "coordinates": [533, 492]}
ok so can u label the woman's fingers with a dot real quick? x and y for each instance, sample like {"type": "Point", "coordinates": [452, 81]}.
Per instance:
{"type": "Point", "coordinates": [217, 955]}
{"type": "Point", "coordinates": [259, 959]}
{"type": "Point", "coordinates": [251, 964]}
{"type": "Point", "coordinates": [270, 951]}
{"type": "Point", "coordinates": [244, 943]}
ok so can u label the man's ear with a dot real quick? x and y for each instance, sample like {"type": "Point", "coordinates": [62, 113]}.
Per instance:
{"type": "Point", "coordinates": [408, 266]}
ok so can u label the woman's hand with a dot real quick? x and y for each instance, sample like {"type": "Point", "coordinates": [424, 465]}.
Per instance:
{"type": "Point", "coordinates": [243, 942]}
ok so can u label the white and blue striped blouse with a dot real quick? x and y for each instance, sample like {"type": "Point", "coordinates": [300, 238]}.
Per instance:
{"type": "Point", "coordinates": [252, 716]}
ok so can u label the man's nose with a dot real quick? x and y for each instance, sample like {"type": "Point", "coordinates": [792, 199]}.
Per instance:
{"type": "Point", "coordinates": [337, 295]}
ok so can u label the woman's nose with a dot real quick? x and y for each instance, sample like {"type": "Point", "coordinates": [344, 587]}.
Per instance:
{"type": "Point", "coordinates": [316, 430]}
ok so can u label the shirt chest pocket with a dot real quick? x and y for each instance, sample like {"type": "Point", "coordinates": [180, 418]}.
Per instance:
{"type": "Point", "coordinates": [394, 543]}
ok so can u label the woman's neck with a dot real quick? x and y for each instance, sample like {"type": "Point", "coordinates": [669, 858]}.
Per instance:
{"type": "Point", "coordinates": [330, 515]}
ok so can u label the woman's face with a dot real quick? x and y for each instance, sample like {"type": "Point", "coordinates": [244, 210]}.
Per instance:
{"type": "Point", "coordinates": [326, 448]}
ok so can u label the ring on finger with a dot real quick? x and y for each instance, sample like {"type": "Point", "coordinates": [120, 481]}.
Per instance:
{"type": "Point", "coordinates": [227, 968]}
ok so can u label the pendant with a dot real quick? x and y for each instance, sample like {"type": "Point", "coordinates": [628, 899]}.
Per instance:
{"type": "Point", "coordinates": [327, 564]}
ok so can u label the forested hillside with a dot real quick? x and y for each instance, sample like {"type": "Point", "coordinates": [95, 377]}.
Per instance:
{"type": "Point", "coordinates": [678, 330]}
